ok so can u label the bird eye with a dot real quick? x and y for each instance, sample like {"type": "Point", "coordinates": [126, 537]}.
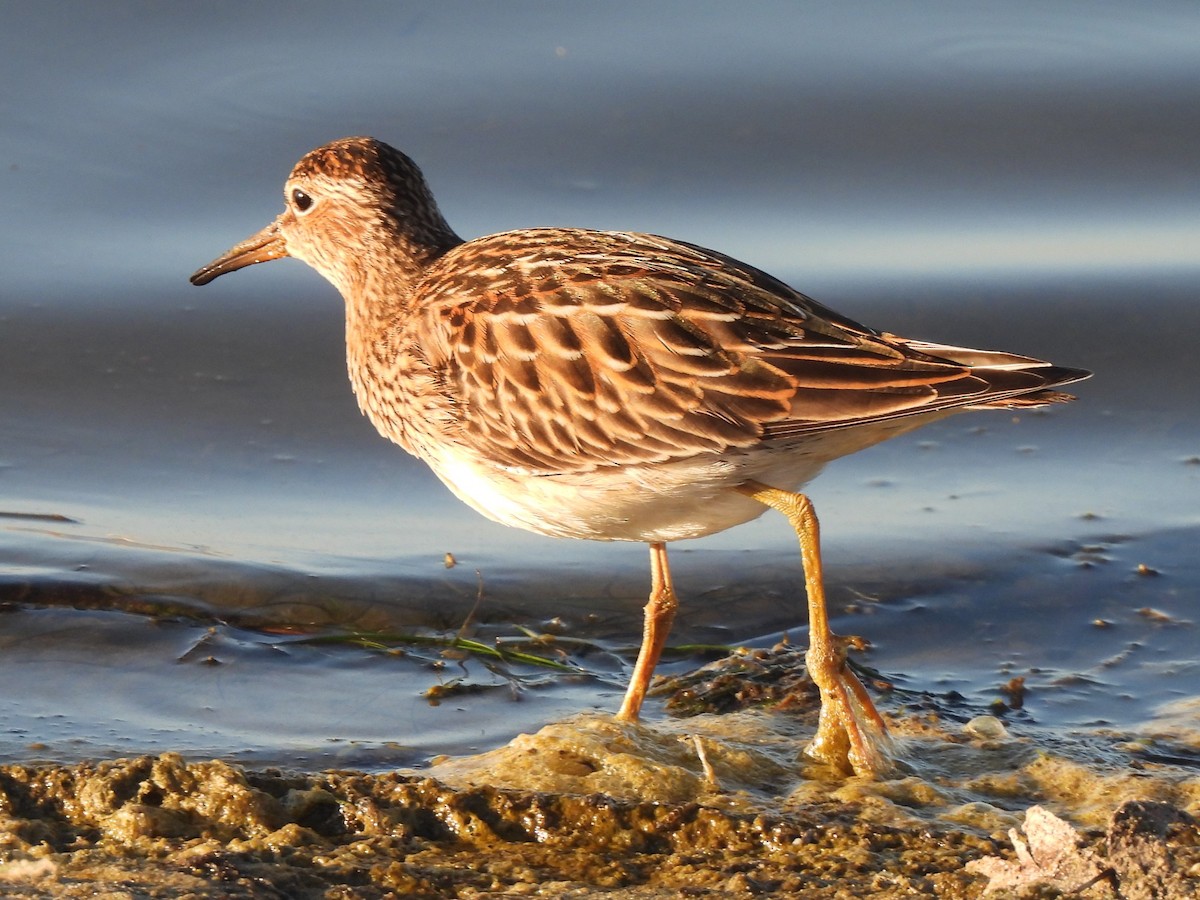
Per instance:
{"type": "Point", "coordinates": [302, 200]}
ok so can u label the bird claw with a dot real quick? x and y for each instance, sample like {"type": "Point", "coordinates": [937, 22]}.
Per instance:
{"type": "Point", "coordinates": [851, 735]}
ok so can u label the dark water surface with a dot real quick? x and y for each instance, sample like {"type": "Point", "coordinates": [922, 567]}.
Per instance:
{"type": "Point", "coordinates": [187, 488]}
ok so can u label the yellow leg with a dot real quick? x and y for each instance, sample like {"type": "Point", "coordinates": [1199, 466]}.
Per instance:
{"type": "Point", "coordinates": [660, 613]}
{"type": "Point", "coordinates": [850, 733]}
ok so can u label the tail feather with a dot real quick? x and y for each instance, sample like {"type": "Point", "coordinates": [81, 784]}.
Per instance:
{"type": "Point", "coordinates": [1026, 401]}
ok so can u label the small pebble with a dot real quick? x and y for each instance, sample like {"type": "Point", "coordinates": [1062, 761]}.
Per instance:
{"type": "Point", "coordinates": [986, 728]}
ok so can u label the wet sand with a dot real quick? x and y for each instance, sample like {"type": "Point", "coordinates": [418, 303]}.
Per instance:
{"type": "Point", "coordinates": [709, 797]}
{"type": "Point", "coordinates": [715, 805]}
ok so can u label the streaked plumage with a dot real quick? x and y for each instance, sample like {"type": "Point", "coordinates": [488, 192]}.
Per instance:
{"type": "Point", "coordinates": [603, 385]}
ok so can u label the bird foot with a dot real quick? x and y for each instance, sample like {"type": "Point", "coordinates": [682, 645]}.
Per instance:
{"type": "Point", "coordinates": [851, 734]}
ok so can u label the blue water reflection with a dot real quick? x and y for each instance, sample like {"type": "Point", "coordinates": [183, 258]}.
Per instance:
{"type": "Point", "coordinates": [1020, 176]}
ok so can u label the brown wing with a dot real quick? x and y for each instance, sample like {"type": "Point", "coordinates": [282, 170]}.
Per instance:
{"type": "Point", "coordinates": [584, 349]}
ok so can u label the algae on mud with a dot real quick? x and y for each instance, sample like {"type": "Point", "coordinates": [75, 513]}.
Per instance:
{"type": "Point", "coordinates": [161, 827]}
{"type": "Point", "coordinates": [764, 824]}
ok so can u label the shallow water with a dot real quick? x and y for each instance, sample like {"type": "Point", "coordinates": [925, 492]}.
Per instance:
{"type": "Point", "coordinates": [187, 489]}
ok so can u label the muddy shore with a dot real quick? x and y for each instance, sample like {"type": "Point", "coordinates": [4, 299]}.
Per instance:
{"type": "Point", "coordinates": [714, 805]}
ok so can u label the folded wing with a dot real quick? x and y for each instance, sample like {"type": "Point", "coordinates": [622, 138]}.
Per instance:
{"type": "Point", "coordinates": [643, 350]}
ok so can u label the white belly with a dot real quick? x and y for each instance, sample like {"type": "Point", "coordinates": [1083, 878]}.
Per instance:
{"type": "Point", "coordinates": [660, 502]}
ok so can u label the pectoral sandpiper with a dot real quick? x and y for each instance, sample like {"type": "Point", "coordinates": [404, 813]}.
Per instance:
{"type": "Point", "coordinates": [617, 386]}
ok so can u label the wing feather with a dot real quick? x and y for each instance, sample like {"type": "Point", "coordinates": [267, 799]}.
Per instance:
{"type": "Point", "coordinates": [638, 349]}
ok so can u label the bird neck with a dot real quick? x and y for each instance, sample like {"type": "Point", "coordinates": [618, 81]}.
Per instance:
{"type": "Point", "coordinates": [380, 303]}
{"type": "Point", "coordinates": [379, 291]}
